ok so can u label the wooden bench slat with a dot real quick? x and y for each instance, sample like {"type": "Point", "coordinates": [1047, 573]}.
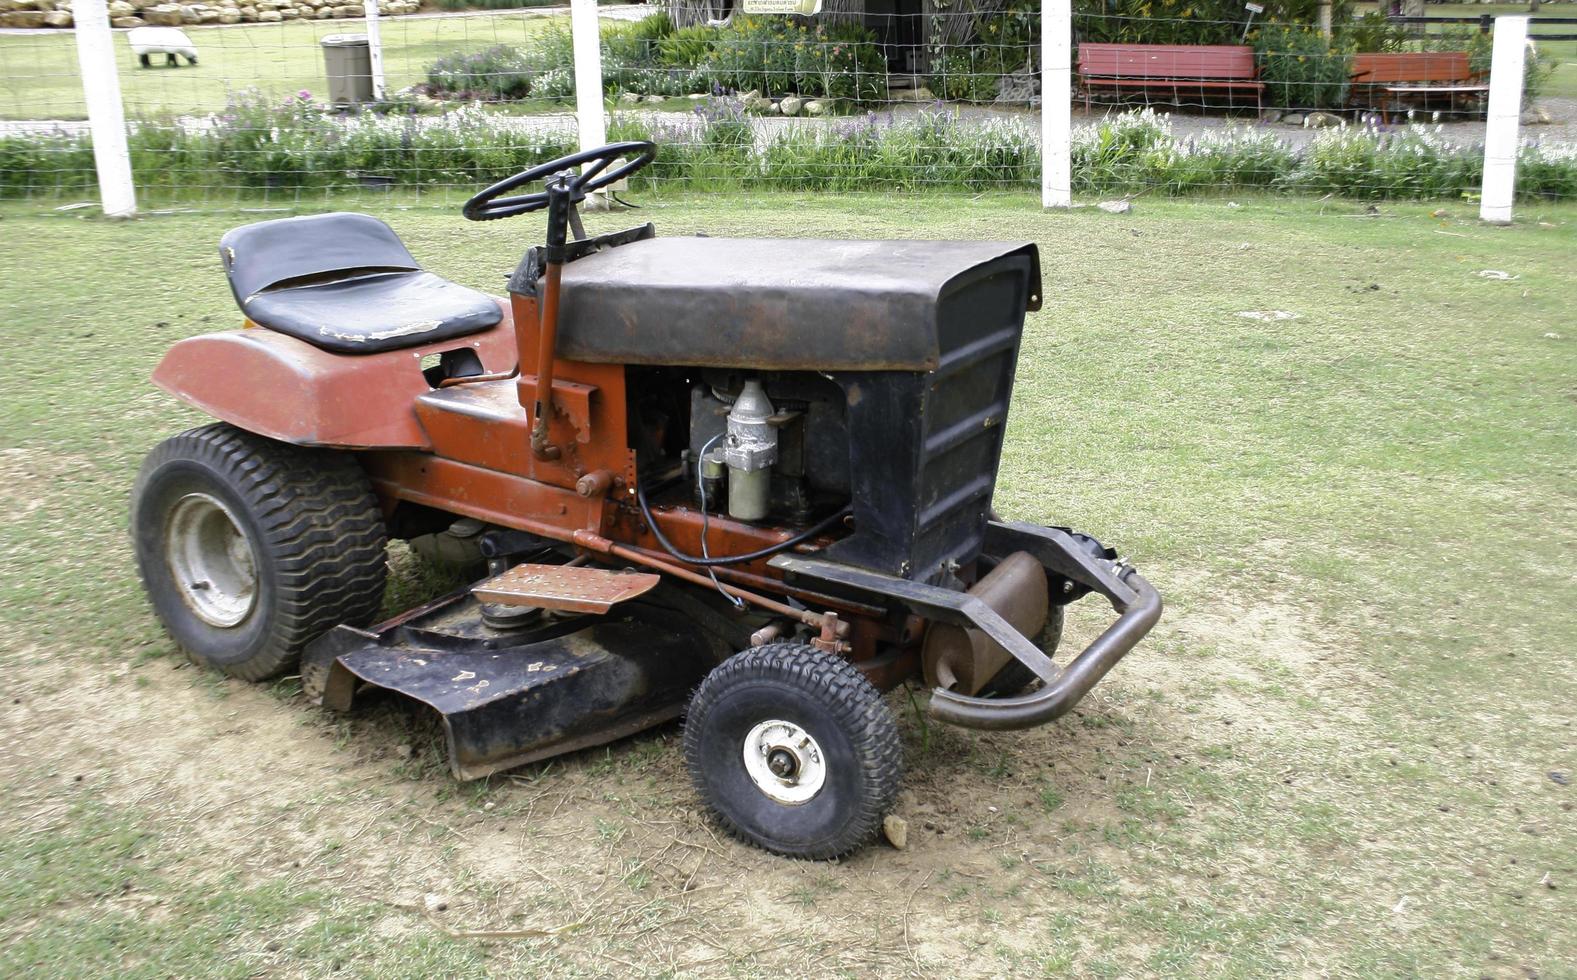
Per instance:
{"type": "Point", "coordinates": [1378, 68]}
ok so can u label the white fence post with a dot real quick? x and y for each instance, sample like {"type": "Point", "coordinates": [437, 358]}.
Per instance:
{"type": "Point", "coordinates": [106, 116]}
{"type": "Point", "coordinates": [588, 74]}
{"type": "Point", "coordinates": [1056, 103]}
{"type": "Point", "coordinates": [1504, 114]}
{"type": "Point", "coordinates": [374, 48]}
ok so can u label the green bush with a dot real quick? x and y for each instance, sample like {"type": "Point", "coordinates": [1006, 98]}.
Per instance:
{"type": "Point", "coordinates": [498, 72]}
{"type": "Point", "coordinates": [841, 62]}
{"type": "Point", "coordinates": [1301, 68]}
{"type": "Point", "coordinates": [756, 53]}
{"type": "Point", "coordinates": [688, 47]}
{"type": "Point", "coordinates": [967, 74]}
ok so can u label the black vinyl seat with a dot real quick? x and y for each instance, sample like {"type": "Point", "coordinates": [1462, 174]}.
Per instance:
{"type": "Point", "coordinates": [346, 283]}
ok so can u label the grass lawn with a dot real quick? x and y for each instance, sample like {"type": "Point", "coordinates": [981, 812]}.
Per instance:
{"type": "Point", "coordinates": [1333, 757]}
{"type": "Point", "coordinates": [41, 78]}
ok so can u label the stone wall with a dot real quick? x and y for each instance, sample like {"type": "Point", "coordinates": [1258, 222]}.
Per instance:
{"type": "Point", "coordinates": [135, 13]}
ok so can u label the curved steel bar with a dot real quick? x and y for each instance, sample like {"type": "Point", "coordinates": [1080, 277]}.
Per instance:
{"type": "Point", "coordinates": [1069, 685]}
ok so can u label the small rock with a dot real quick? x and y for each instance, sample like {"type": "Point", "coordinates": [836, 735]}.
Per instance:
{"type": "Point", "coordinates": [403, 751]}
{"type": "Point", "coordinates": [629, 98]}
{"type": "Point", "coordinates": [1116, 207]}
{"type": "Point", "coordinates": [921, 94]}
{"type": "Point", "coordinates": [1020, 86]}
{"type": "Point", "coordinates": [790, 105]}
{"type": "Point", "coordinates": [751, 96]}
{"type": "Point", "coordinates": [657, 98]}
{"type": "Point", "coordinates": [434, 903]}
{"type": "Point", "coordinates": [1535, 116]}
{"type": "Point", "coordinates": [814, 108]}
{"type": "Point", "coordinates": [1270, 116]}
{"type": "Point", "coordinates": [1322, 120]}
{"type": "Point", "coordinates": [1293, 119]}
{"type": "Point", "coordinates": [696, 96]}
{"type": "Point", "coordinates": [896, 830]}
{"type": "Point", "coordinates": [1560, 778]}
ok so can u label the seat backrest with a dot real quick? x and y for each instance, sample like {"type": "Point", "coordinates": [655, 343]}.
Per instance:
{"type": "Point", "coordinates": [264, 254]}
{"type": "Point", "coordinates": [1411, 66]}
{"type": "Point", "coordinates": [1202, 61]}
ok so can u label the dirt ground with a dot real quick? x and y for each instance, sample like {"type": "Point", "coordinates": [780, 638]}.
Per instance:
{"type": "Point", "coordinates": [1346, 750]}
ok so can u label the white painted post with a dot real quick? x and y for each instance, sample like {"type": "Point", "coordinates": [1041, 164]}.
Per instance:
{"type": "Point", "coordinates": [1504, 115]}
{"type": "Point", "coordinates": [1056, 103]}
{"type": "Point", "coordinates": [106, 116]}
{"type": "Point", "coordinates": [588, 74]}
{"type": "Point", "coordinates": [374, 48]}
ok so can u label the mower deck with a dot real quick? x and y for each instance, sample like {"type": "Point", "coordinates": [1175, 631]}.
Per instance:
{"type": "Point", "coordinates": [515, 690]}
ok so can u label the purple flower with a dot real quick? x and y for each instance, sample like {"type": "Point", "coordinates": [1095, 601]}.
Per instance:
{"type": "Point", "coordinates": [304, 95]}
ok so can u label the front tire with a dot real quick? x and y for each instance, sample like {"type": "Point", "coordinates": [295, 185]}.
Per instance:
{"type": "Point", "coordinates": [251, 548]}
{"type": "Point", "coordinates": [794, 751]}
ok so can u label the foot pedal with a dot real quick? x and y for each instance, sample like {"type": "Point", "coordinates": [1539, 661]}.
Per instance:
{"type": "Point", "coordinates": [572, 588]}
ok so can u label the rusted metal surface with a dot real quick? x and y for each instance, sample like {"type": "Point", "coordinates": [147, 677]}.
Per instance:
{"type": "Point", "coordinates": [1066, 555]}
{"type": "Point", "coordinates": [287, 389]}
{"type": "Point", "coordinates": [508, 500]}
{"type": "Point", "coordinates": [570, 588]}
{"type": "Point", "coordinates": [964, 659]}
{"type": "Point", "coordinates": [826, 622]}
{"type": "Point", "coordinates": [547, 330]}
{"type": "Point", "coordinates": [773, 304]}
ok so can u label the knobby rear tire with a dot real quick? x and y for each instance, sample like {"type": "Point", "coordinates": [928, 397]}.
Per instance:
{"type": "Point", "coordinates": [312, 525]}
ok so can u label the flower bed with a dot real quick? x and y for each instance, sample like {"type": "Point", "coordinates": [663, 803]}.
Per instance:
{"type": "Point", "coordinates": [257, 145]}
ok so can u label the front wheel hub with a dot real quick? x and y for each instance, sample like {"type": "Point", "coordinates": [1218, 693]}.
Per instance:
{"type": "Point", "coordinates": [784, 762]}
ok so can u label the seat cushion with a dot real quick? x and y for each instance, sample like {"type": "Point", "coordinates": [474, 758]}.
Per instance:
{"type": "Point", "coordinates": [346, 283]}
{"type": "Point", "coordinates": [376, 312]}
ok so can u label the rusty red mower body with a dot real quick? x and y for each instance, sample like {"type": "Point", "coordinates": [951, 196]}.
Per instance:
{"type": "Point", "coordinates": [748, 481]}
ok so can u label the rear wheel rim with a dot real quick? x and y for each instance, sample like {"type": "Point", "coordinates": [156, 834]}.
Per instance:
{"type": "Point", "coordinates": [211, 560]}
{"type": "Point", "coordinates": [785, 762]}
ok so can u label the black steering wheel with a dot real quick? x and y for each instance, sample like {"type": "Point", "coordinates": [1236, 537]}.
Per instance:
{"type": "Point", "coordinates": [492, 204]}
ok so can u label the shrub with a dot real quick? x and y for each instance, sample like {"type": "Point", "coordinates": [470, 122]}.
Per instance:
{"type": "Point", "coordinates": [1301, 68]}
{"type": "Point", "coordinates": [757, 54]}
{"type": "Point", "coordinates": [966, 74]}
{"type": "Point", "coordinates": [499, 72]}
{"type": "Point", "coordinates": [689, 47]}
{"type": "Point", "coordinates": [841, 62]}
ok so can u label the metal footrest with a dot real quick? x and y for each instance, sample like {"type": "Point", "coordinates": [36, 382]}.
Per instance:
{"type": "Point", "coordinates": [572, 588]}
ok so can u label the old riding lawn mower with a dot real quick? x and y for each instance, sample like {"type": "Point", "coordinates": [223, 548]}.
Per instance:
{"type": "Point", "coordinates": [746, 481]}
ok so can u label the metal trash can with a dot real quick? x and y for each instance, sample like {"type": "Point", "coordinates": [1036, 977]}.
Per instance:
{"type": "Point", "coordinates": [349, 63]}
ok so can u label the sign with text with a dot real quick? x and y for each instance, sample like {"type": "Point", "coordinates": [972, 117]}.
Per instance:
{"type": "Point", "coordinates": [802, 7]}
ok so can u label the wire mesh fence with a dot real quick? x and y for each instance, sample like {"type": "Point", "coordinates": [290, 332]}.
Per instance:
{"type": "Point", "coordinates": [945, 97]}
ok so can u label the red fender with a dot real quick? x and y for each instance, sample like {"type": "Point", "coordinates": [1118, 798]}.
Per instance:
{"type": "Point", "coordinates": [286, 389]}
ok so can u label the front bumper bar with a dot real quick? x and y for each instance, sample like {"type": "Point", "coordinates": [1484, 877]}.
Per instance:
{"type": "Point", "coordinates": [1079, 563]}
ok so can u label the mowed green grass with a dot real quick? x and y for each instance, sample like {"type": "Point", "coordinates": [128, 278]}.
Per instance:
{"type": "Point", "coordinates": [1333, 756]}
{"type": "Point", "coordinates": [40, 77]}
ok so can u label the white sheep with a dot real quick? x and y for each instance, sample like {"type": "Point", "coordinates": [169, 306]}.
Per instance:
{"type": "Point", "coordinates": [168, 41]}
